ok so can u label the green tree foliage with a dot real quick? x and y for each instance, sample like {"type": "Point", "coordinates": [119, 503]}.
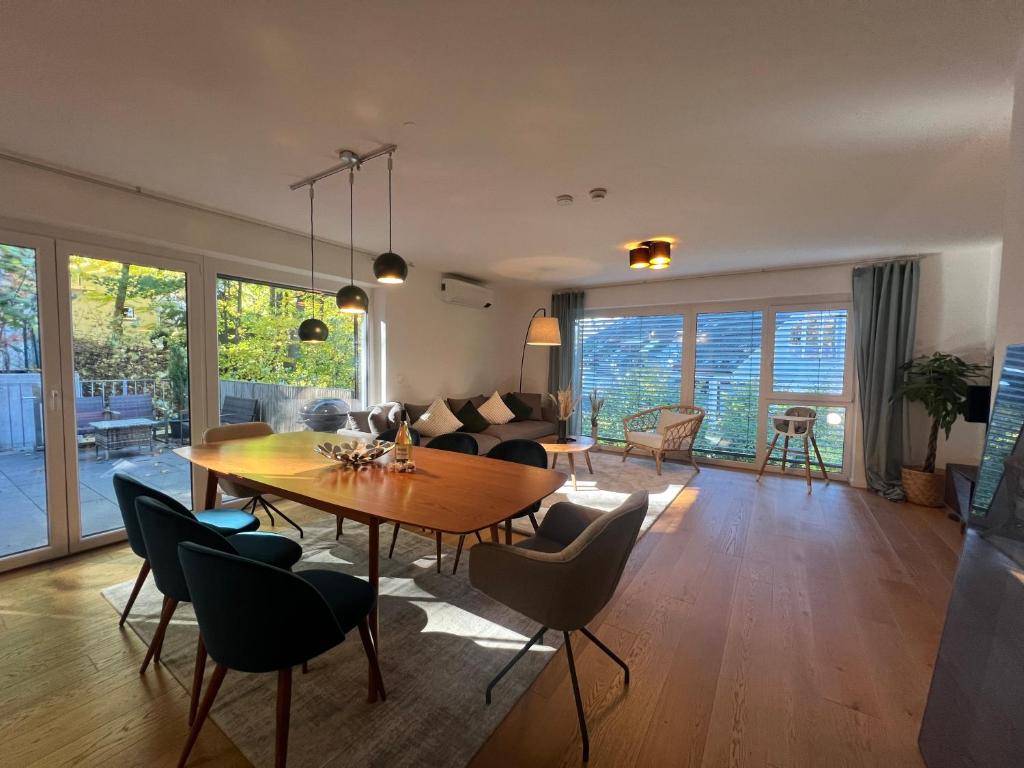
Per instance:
{"type": "Point", "coordinates": [19, 311]}
{"type": "Point", "coordinates": [256, 330]}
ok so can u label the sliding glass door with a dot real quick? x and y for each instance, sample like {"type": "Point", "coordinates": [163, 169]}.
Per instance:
{"type": "Point", "coordinates": [33, 512]}
{"type": "Point", "coordinates": [95, 366]}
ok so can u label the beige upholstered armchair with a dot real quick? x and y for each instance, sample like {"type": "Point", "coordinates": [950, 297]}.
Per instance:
{"type": "Point", "coordinates": [662, 429]}
{"type": "Point", "coordinates": [562, 576]}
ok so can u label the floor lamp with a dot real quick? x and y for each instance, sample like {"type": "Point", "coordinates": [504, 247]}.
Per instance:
{"type": "Point", "coordinates": [543, 332]}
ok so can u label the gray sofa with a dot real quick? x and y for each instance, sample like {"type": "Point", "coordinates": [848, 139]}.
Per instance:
{"type": "Point", "coordinates": [540, 424]}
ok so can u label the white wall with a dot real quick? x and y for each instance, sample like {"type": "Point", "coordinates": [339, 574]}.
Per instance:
{"type": "Point", "coordinates": [1010, 312]}
{"type": "Point", "coordinates": [956, 315]}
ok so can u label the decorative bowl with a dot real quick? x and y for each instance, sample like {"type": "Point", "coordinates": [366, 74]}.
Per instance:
{"type": "Point", "coordinates": [354, 454]}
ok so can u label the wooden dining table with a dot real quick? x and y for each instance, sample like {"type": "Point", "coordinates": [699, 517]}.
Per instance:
{"type": "Point", "coordinates": [449, 492]}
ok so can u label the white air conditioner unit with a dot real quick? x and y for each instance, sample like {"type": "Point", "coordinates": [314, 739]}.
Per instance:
{"type": "Point", "coordinates": [466, 294]}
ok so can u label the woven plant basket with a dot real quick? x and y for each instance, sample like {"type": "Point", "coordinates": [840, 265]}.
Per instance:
{"type": "Point", "coordinates": [925, 488]}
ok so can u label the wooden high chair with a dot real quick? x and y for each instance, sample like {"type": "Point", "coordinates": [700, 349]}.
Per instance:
{"type": "Point", "coordinates": [796, 422]}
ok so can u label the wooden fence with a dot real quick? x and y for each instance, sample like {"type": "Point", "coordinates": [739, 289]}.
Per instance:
{"type": "Point", "coordinates": [280, 403]}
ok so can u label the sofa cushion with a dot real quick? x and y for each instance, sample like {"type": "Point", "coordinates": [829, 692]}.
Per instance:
{"type": "Point", "coordinates": [456, 403]}
{"type": "Point", "coordinates": [495, 410]}
{"type": "Point", "coordinates": [478, 401]}
{"type": "Point", "coordinates": [382, 417]}
{"type": "Point", "coordinates": [520, 430]}
{"type": "Point", "coordinates": [668, 419]}
{"type": "Point", "coordinates": [358, 420]}
{"type": "Point", "coordinates": [536, 402]}
{"type": "Point", "coordinates": [471, 419]}
{"type": "Point", "coordinates": [414, 412]}
{"type": "Point", "coordinates": [647, 439]}
{"type": "Point", "coordinates": [437, 420]}
{"type": "Point", "coordinates": [519, 407]}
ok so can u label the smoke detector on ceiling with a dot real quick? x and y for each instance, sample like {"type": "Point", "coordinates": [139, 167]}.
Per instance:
{"type": "Point", "coordinates": [564, 199]}
{"type": "Point", "coordinates": [597, 194]}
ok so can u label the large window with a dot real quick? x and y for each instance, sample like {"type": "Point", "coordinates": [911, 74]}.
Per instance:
{"type": "Point", "coordinates": [260, 358]}
{"type": "Point", "coordinates": [726, 383]}
{"type": "Point", "coordinates": [633, 362]}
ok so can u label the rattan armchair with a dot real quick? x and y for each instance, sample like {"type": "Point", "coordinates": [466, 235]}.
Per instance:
{"type": "Point", "coordinates": [648, 430]}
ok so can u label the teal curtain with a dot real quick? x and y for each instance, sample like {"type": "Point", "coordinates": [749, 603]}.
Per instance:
{"type": "Point", "coordinates": [885, 317]}
{"type": "Point", "coordinates": [564, 367]}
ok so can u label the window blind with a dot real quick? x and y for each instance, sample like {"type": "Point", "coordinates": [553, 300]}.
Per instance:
{"type": "Point", "coordinates": [727, 383]}
{"type": "Point", "coordinates": [810, 352]}
{"type": "Point", "coordinates": [634, 363]}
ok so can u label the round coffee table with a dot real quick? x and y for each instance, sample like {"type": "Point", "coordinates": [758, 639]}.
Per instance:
{"type": "Point", "coordinates": [577, 444]}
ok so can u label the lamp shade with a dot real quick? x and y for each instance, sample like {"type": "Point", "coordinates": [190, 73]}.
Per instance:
{"type": "Point", "coordinates": [312, 331]}
{"type": "Point", "coordinates": [544, 332]}
{"type": "Point", "coordinates": [661, 252]}
{"type": "Point", "coordinates": [390, 268]}
{"type": "Point", "coordinates": [352, 300]}
{"type": "Point", "coordinates": [640, 257]}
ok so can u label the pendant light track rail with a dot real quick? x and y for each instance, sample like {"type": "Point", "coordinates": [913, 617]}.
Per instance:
{"type": "Point", "coordinates": [349, 160]}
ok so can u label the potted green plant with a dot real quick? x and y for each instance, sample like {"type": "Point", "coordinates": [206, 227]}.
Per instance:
{"type": "Point", "coordinates": [938, 382]}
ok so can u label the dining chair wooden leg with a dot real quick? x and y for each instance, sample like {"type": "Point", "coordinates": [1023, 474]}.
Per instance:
{"type": "Point", "coordinates": [807, 463]}
{"type": "Point", "coordinates": [657, 461]}
{"type": "Point", "coordinates": [153, 654]}
{"type": "Point", "coordinates": [478, 536]}
{"type": "Point", "coordinates": [458, 552]}
{"type": "Point", "coordinates": [143, 573]}
{"type": "Point", "coordinates": [533, 522]}
{"type": "Point", "coordinates": [394, 538]}
{"type": "Point", "coordinates": [768, 455]}
{"type": "Point", "coordinates": [339, 529]}
{"type": "Point", "coordinates": [821, 464]}
{"type": "Point", "coordinates": [494, 534]}
{"type": "Point", "coordinates": [437, 534]}
{"type": "Point", "coordinates": [508, 532]}
{"type": "Point", "coordinates": [371, 658]}
{"type": "Point", "coordinates": [204, 709]}
{"type": "Point", "coordinates": [785, 452]}
{"type": "Point", "coordinates": [373, 574]}
{"type": "Point", "coordinates": [197, 680]}
{"type": "Point", "coordinates": [554, 460]}
{"type": "Point", "coordinates": [284, 712]}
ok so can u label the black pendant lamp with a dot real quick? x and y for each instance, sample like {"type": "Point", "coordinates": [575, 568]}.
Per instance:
{"type": "Point", "coordinates": [352, 300]}
{"type": "Point", "coordinates": [389, 267]}
{"type": "Point", "coordinates": [312, 330]}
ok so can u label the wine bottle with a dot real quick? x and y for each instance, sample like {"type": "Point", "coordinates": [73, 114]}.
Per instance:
{"type": "Point", "coordinates": [403, 443]}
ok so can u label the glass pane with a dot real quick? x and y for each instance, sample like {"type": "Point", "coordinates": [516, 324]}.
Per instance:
{"type": "Point", "coordinates": [131, 378]}
{"type": "Point", "coordinates": [1004, 429]}
{"type": "Point", "coordinates": [23, 514]}
{"type": "Point", "coordinates": [810, 351]}
{"type": "Point", "coordinates": [829, 432]}
{"type": "Point", "coordinates": [632, 362]}
{"type": "Point", "coordinates": [727, 383]}
{"type": "Point", "coordinates": [266, 374]}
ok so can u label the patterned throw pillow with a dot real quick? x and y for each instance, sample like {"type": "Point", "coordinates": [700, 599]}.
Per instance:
{"type": "Point", "coordinates": [438, 420]}
{"type": "Point", "coordinates": [495, 410]}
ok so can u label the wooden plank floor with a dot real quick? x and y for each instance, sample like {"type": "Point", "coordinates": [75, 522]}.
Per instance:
{"type": "Point", "coordinates": [763, 626]}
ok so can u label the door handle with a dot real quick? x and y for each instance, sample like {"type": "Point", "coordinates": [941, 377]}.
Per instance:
{"type": "Point", "coordinates": [54, 394]}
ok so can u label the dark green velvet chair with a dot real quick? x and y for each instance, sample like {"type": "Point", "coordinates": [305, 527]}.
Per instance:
{"type": "Point", "coordinates": [256, 618]}
{"type": "Point", "coordinates": [528, 452]}
{"type": "Point", "coordinates": [128, 489]}
{"type": "Point", "coordinates": [456, 442]}
{"type": "Point", "coordinates": [163, 529]}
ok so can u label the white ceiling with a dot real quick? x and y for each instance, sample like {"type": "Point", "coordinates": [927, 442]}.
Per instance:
{"type": "Point", "coordinates": [757, 136]}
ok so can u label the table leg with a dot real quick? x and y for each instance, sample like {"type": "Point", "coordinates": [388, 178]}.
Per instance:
{"type": "Point", "coordinates": [211, 489]}
{"type": "Point", "coordinates": [554, 460]}
{"type": "Point", "coordinates": [586, 455]}
{"type": "Point", "coordinates": [572, 470]}
{"type": "Point", "coordinates": [494, 534]}
{"type": "Point", "coordinates": [373, 557]}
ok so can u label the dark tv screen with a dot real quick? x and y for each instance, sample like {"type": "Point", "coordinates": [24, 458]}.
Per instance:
{"type": "Point", "coordinates": [1003, 436]}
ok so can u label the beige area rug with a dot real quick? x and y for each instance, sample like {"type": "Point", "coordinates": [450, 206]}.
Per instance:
{"type": "Point", "coordinates": [441, 643]}
{"type": "Point", "coordinates": [613, 480]}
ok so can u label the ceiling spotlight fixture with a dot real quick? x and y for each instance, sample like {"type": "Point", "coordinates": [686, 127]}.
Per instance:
{"type": "Point", "coordinates": [661, 253]}
{"type": "Point", "coordinates": [312, 330]}
{"type": "Point", "coordinates": [597, 194]}
{"type": "Point", "coordinates": [564, 199]}
{"type": "Point", "coordinates": [639, 257]}
{"type": "Point", "coordinates": [352, 300]}
{"type": "Point", "coordinates": [651, 254]}
{"type": "Point", "coordinates": [389, 267]}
